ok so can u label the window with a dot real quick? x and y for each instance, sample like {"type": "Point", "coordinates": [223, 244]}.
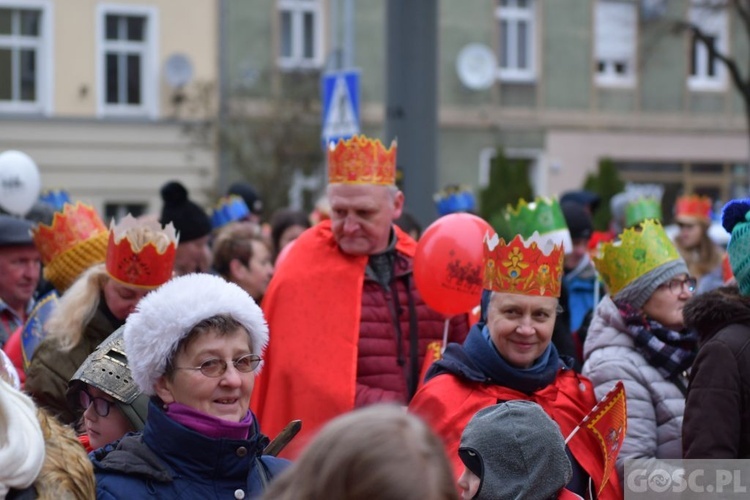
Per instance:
{"type": "Point", "coordinates": [25, 56]}
{"type": "Point", "coordinates": [706, 71]}
{"type": "Point", "coordinates": [128, 81]}
{"type": "Point", "coordinates": [615, 40]}
{"type": "Point", "coordinates": [300, 34]}
{"type": "Point", "coordinates": [516, 51]}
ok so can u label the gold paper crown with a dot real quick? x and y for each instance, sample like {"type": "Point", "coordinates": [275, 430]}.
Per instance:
{"type": "Point", "coordinates": [637, 253]}
{"type": "Point", "coordinates": [75, 241]}
{"type": "Point", "coordinates": [361, 160]}
{"type": "Point", "coordinates": [141, 253]}
{"type": "Point", "coordinates": [694, 206]}
{"type": "Point", "coordinates": [525, 267]}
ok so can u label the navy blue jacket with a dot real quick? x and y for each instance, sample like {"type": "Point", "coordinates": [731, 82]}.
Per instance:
{"type": "Point", "coordinates": [168, 460]}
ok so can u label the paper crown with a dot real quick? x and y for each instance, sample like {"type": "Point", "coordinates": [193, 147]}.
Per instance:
{"type": "Point", "coordinates": [694, 207]}
{"type": "Point", "coordinates": [361, 160]}
{"type": "Point", "coordinates": [57, 198]}
{"type": "Point", "coordinates": [454, 199]}
{"type": "Point", "coordinates": [524, 266]}
{"type": "Point", "coordinates": [543, 215]}
{"type": "Point", "coordinates": [229, 209]}
{"type": "Point", "coordinates": [75, 241]}
{"type": "Point", "coordinates": [641, 209]}
{"type": "Point", "coordinates": [635, 254]}
{"type": "Point", "coordinates": [141, 253]}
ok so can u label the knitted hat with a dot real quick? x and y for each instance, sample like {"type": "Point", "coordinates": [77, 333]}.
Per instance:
{"type": "Point", "coordinates": [248, 193]}
{"type": "Point", "coordinates": [637, 292]}
{"type": "Point", "coordinates": [165, 316]}
{"type": "Point", "coordinates": [736, 219]}
{"type": "Point", "coordinates": [190, 220]}
{"type": "Point", "coordinates": [578, 220]}
{"type": "Point", "coordinates": [516, 450]}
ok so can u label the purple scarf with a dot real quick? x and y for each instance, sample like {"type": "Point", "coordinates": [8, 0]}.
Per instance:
{"type": "Point", "coordinates": [207, 425]}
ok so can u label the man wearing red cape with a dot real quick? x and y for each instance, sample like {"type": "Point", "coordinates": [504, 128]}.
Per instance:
{"type": "Point", "coordinates": [509, 355]}
{"type": "Point", "coordinates": [348, 327]}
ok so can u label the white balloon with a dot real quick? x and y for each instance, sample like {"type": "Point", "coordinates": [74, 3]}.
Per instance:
{"type": "Point", "coordinates": [19, 182]}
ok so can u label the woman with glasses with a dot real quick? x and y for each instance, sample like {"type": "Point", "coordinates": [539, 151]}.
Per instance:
{"type": "Point", "coordinates": [638, 335]}
{"type": "Point", "coordinates": [194, 347]}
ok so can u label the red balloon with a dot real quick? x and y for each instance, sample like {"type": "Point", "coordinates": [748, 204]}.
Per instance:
{"type": "Point", "coordinates": [448, 263]}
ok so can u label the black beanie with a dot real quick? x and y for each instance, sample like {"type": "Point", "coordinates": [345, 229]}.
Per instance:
{"type": "Point", "coordinates": [248, 193]}
{"type": "Point", "coordinates": [189, 219]}
{"type": "Point", "coordinates": [578, 219]}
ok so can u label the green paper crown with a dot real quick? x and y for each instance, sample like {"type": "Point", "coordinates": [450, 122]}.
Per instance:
{"type": "Point", "coordinates": [542, 215]}
{"type": "Point", "coordinates": [641, 209]}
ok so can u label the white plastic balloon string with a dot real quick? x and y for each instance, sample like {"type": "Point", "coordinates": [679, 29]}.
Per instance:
{"type": "Point", "coordinates": [445, 335]}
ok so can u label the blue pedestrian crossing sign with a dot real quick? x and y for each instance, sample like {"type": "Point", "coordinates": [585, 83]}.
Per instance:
{"type": "Point", "coordinates": [340, 106]}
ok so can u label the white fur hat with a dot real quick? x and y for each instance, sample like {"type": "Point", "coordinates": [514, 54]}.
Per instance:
{"type": "Point", "coordinates": [165, 316]}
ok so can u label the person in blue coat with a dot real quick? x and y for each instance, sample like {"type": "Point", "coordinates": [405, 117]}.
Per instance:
{"type": "Point", "coordinates": [194, 346]}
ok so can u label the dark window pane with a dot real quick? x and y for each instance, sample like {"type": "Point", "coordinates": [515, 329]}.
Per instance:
{"type": "Point", "coordinates": [135, 28]}
{"type": "Point", "coordinates": [134, 79]}
{"type": "Point", "coordinates": [621, 68]}
{"type": "Point", "coordinates": [504, 37]}
{"type": "Point", "coordinates": [5, 21]}
{"type": "Point", "coordinates": [308, 36]}
{"type": "Point", "coordinates": [522, 4]}
{"type": "Point", "coordinates": [6, 78]}
{"type": "Point", "coordinates": [711, 59]}
{"type": "Point", "coordinates": [693, 57]}
{"type": "Point", "coordinates": [28, 75]}
{"type": "Point", "coordinates": [286, 34]}
{"type": "Point", "coordinates": [600, 66]}
{"type": "Point", "coordinates": [111, 23]}
{"type": "Point", "coordinates": [522, 46]}
{"type": "Point", "coordinates": [30, 22]}
{"type": "Point", "coordinates": [112, 78]}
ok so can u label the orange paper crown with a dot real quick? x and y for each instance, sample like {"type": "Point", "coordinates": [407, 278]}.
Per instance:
{"type": "Point", "coordinates": [694, 206]}
{"type": "Point", "coordinates": [526, 267]}
{"type": "Point", "coordinates": [141, 253]}
{"type": "Point", "coordinates": [75, 241]}
{"type": "Point", "coordinates": [361, 160]}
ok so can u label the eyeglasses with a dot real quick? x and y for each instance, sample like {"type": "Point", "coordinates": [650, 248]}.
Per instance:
{"type": "Point", "coordinates": [101, 405]}
{"type": "Point", "coordinates": [677, 286]}
{"type": "Point", "coordinates": [216, 367]}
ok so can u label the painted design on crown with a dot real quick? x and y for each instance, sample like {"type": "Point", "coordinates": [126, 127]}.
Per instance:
{"type": "Point", "coordinates": [694, 206]}
{"type": "Point", "coordinates": [229, 209]}
{"type": "Point", "coordinates": [636, 253]}
{"type": "Point", "coordinates": [641, 209]}
{"type": "Point", "coordinates": [141, 253]}
{"type": "Point", "coordinates": [361, 160]}
{"type": "Point", "coordinates": [543, 216]}
{"type": "Point", "coordinates": [525, 267]}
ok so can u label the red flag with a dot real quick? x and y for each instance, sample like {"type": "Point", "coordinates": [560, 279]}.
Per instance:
{"type": "Point", "coordinates": [607, 422]}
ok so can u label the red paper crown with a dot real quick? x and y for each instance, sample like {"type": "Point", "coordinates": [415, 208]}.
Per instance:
{"type": "Point", "coordinates": [141, 253]}
{"type": "Point", "coordinates": [75, 241]}
{"type": "Point", "coordinates": [522, 267]}
{"type": "Point", "coordinates": [694, 206]}
{"type": "Point", "coordinates": [361, 160]}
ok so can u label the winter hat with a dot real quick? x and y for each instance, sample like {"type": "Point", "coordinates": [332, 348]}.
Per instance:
{"type": "Point", "coordinates": [516, 450]}
{"type": "Point", "coordinates": [15, 231]}
{"type": "Point", "coordinates": [248, 193]}
{"type": "Point", "coordinates": [736, 219]}
{"type": "Point", "coordinates": [165, 316]}
{"type": "Point", "coordinates": [578, 219]}
{"type": "Point", "coordinates": [190, 220]}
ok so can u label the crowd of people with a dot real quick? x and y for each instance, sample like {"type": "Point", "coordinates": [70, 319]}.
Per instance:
{"type": "Point", "coordinates": [160, 355]}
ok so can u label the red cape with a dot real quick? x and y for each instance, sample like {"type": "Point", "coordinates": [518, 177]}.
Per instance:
{"type": "Point", "coordinates": [313, 307]}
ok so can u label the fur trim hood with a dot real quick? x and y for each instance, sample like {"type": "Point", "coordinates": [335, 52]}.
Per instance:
{"type": "Point", "coordinates": [165, 316]}
{"type": "Point", "coordinates": [711, 311]}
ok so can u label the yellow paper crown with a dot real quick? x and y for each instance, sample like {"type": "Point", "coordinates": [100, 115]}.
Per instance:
{"type": "Point", "coordinates": [637, 253]}
{"type": "Point", "coordinates": [525, 267]}
{"type": "Point", "coordinates": [75, 241]}
{"type": "Point", "coordinates": [361, 160]}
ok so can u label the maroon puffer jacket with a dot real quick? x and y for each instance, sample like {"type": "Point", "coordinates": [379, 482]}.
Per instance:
{"type": "Point", "coordinates": [384, 371]}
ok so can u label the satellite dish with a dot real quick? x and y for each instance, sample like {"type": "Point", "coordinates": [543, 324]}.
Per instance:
{"type": "Point", "coordinates": [178, 70]}
{"type": "Point", "coordinates": [476, 66]}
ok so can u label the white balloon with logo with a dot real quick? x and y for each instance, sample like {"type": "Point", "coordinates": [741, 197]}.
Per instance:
{"type": "Point", "coordinates": [19, 182]}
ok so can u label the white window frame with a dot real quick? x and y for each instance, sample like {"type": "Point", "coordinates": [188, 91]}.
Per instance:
{"type": "Point", "coordinates": [514, 15]}
{"type": "Point", "coordinates": [297, 9]}
{"type": "Point", "coordinates": [149, 51]}
{"type": "Point", "coordinates": [615, 21]}
{"type": "Point", "coordinates": [712, 22]}
{"type": "Point", "coordinates": [44, 57]}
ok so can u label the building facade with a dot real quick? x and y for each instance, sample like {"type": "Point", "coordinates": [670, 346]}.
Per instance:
{"type": "Point", "coordinates": [91, 90]}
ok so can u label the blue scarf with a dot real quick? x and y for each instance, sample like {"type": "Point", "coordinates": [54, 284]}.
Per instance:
{"type": "Point", "coordinates": [479, 347]}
